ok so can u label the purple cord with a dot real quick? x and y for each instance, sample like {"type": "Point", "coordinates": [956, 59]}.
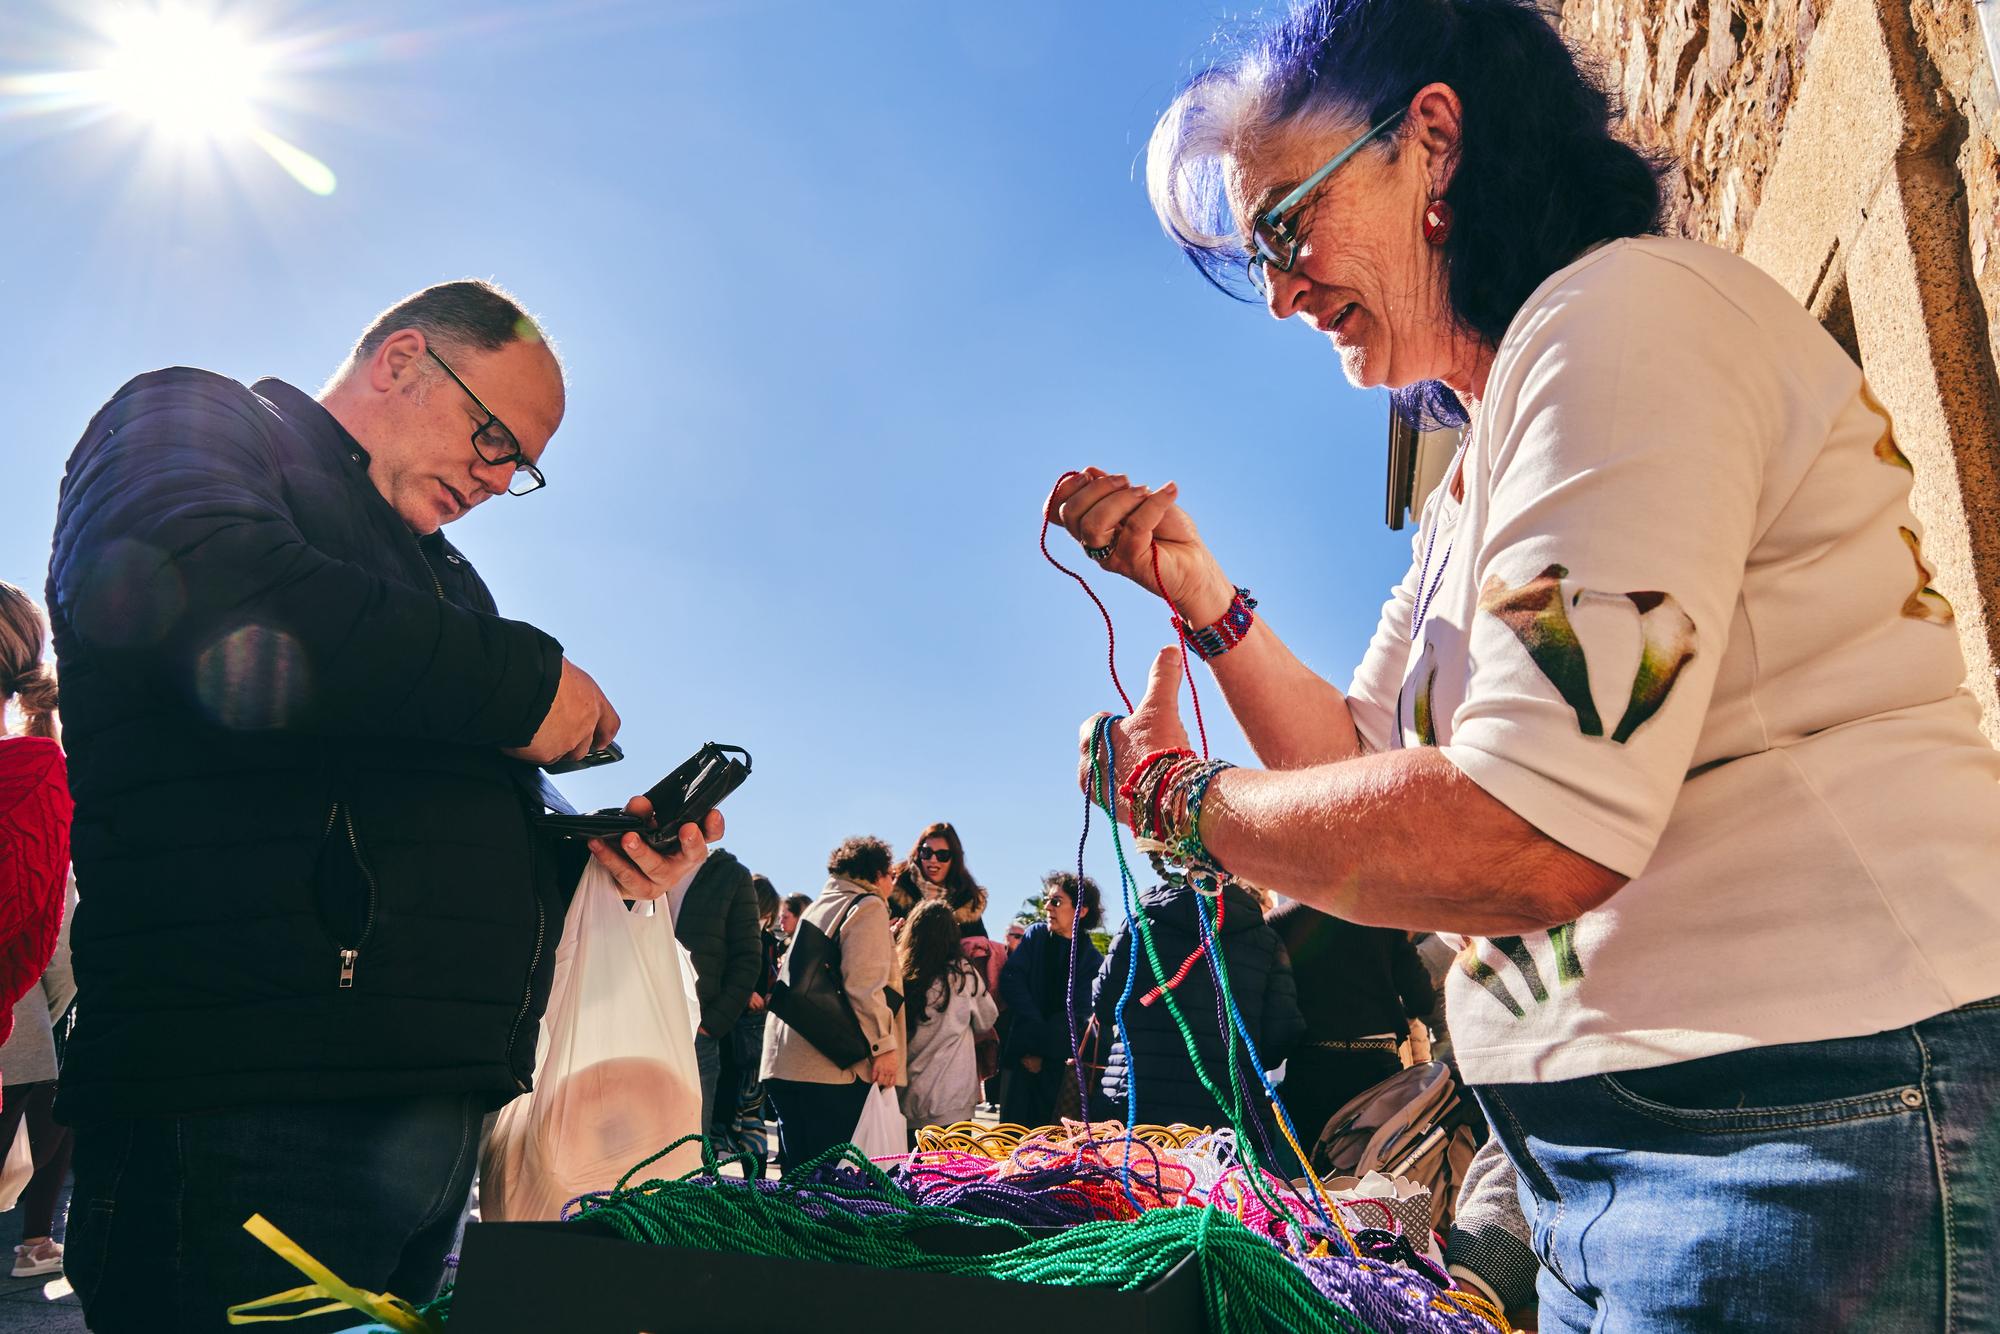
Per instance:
{"type": "Point", "coordinates": [1387, 1297]}
{"type": "Point", "coordinates": [1069, 992]}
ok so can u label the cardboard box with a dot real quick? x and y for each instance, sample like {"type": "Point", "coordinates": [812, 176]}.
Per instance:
{"type": "Point", "coordinates": [580, 1278]}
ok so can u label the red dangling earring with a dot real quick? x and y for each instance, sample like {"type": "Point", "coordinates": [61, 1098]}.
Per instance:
{"type": "Point", "coordinates": [1437, 222]}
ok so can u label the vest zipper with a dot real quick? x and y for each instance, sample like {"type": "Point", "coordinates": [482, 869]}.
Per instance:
{"type": "Point", "coordinates": [350, 955]}
{"type": "Point", "coordinates": [528, 992]}
{"type": "Point", "coordinates": [437, 585]}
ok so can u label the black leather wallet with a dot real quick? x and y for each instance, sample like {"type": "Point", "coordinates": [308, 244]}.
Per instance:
{"type": "Point", "coordinates": [682, 797]}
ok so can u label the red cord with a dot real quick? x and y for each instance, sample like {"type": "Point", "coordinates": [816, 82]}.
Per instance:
{"type": "Point", "coordinates": [1111, 656]}
{"type": "Point", "coordinates": [1110, 635]}
{"type": "Point", "coordinates": [1221, 907]}
{"type": "Point", "coordinates": [1187, 668]}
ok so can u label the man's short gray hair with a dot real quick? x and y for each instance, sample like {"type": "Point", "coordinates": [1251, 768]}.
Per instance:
{"type": "Point", "coordinates": [470, 313]}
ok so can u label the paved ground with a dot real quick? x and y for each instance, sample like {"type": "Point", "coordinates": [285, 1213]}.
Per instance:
{"type": "Point", "coordinates": [34, 1305]}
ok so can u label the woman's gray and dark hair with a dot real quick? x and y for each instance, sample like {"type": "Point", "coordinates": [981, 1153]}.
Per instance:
{"type": "Point", "coordinates": [1539, 178]}
{"type": "Point", "coordinates": [25, 675]}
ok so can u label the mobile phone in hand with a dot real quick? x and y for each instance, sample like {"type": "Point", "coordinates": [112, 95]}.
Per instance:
{"type": "Point", "coordinates": [610, 754]}
{"type": "Point", "coordinates": [683, 797]}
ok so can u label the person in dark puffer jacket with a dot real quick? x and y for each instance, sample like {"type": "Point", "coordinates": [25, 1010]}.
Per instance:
{"type": "Point", "coordinates": [316, 932]}
{"type": "Point", "coordinates": [1260, 978]}
{"type": "Point", "coordinates": [716, 920]}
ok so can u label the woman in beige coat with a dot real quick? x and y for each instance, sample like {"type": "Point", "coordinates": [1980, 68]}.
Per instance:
{"type": "Point", "coordinates": [819, 1103]}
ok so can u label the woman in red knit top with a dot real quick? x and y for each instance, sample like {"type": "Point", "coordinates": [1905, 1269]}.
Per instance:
{"type": "Point", "coordinates": [34, 867]}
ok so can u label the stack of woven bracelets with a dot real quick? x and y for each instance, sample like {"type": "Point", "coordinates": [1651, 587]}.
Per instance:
{"type": "Point", "coordinates": [1166, 791]}
{"type": "Point", "coordinates": [1212, 641]}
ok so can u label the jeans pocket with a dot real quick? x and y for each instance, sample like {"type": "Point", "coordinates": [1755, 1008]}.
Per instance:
{"type": "Point", "coordinates": [1654, 1095]}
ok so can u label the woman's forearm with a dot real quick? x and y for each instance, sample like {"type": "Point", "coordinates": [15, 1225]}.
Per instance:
{"type": "Point", "coordinates": [1400, 839]}
{"type": "Point", "coordinates": [1293, 717]}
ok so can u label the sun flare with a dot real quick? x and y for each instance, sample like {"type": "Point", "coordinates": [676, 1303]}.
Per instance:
{"type": "Point", "coordinates": [196, 86]}
{"type": "Point", "coordinates": [183, 74]}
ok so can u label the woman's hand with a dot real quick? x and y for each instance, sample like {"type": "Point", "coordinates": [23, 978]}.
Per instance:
{"type": "Point", "coordinates": [1154, 725]}
{"type": "Point", "coordinates": [1101, 509]}
{"type": "Point", "coordinates": [644, 873]}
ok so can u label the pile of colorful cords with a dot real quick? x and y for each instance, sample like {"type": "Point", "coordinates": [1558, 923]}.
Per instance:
{"type": "Point", "coordinates": [860, 1214]}
{"type": "Point", "coordinates": [1077, 1173]}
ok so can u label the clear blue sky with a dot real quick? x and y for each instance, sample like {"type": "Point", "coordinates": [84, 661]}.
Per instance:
{"type": "Point", "coordinates": [842, 288]}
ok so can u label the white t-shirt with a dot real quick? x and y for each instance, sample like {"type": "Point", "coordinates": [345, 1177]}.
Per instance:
{"type": "Point", "coordinates": [1681, 625]}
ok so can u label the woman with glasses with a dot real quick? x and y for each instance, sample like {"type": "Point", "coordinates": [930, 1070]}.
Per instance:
{"type": "Point", "coordinates": [1666, 723]}
{"type": "Point", "coordinates": [1046, 998]}
{"type": "Point", "coordinates": [934, 869]}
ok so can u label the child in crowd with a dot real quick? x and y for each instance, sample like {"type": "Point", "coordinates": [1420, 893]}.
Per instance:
{"type": "Point", "coordinates": [945, 999]}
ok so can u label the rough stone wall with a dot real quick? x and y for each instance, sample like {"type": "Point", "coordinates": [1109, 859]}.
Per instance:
{"type": "Point", "coordinates": [1707, 83]}
{"type": "Point", "coordinates": [1849, 147]}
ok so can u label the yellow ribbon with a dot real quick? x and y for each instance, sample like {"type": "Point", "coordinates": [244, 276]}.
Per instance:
{"type": "Point", "coordinates": [381, 1307]}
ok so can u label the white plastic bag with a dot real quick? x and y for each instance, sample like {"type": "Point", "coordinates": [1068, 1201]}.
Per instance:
{"type": "Point", "coordinates": [18, 1170]}
{"type": "Point", "coordinates": [882, 1132]}
{"type": "Point", "coordinates": [615, 1072]}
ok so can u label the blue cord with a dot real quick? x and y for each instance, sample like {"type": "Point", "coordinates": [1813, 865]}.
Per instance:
{"type": "Point", "coordinates": [1104, 744]}
{"type": "Point", "coordinates": [1214, 952]}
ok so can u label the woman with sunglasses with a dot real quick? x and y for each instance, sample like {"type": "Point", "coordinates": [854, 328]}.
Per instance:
{"type": "Point", "coordinates": [1666, 722]}
{"type": "Point", "coordinates": [934, 869]}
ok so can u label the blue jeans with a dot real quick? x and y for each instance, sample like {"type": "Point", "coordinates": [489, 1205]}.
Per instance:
{"type": "Point", "coordinates": [708, 1063]}
{"type": "Point", "coordinates": [372, 1188]}
{"type": "Point", "coordinates": [1847, 1185]}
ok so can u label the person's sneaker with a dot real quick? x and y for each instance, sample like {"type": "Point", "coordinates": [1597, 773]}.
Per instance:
{"type": "Point", "coordinates": [44, 1258]}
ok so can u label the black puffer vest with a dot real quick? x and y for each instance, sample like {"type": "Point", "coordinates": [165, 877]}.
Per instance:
{"type": "Point", "coordinates": [305, 869]}
{"type": "Point", "coordinates": [1260, 980]}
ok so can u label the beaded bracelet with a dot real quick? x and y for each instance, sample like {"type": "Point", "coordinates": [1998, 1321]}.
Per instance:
{"type": "Point", "coordinates": [1138, 788]}
{"type": "Point", "coordinates": [1165, 792]}
{"type": "Point", "coordinates": [1212, 641]}
{"type": "Point", "coordinates": [1188, 846]}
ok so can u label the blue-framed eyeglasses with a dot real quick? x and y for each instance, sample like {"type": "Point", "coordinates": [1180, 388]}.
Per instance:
{"type": "Point", "coordinates": [1274, 240]}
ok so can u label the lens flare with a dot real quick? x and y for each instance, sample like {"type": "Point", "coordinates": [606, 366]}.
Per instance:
{"type": "Point", "coordinates": [183, 73]}
{"type": "Point", "coordinates": [188, 79]}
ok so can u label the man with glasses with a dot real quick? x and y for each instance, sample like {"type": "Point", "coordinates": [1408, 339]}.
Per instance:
{"type": "Point", "coordinates": [316, 934]}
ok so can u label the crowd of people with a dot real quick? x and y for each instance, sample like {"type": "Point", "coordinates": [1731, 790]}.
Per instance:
{"type": "Point", "coordinates": [1028, 1025]}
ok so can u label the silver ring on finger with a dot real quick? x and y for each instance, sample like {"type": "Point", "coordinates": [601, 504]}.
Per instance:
{"type": "Point", "coordinates": [1103, 553]}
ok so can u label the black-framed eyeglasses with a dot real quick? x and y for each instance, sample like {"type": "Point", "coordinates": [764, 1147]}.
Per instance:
{"type": "Point", "coordinates": [1274, 237]}
{"type": "Point", "coordinates": [931, 854]}
{"type": "Point", "coordinates": [494, 443]}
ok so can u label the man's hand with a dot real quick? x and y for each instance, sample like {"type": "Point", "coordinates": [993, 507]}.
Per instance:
{"type": "Point", "coordinates": [757, 1003]}
{"type": "Point", "coordinates": [641, 871]}
{"type": "Point", "coordinates": [580, 719]}
{"type": "Point", "coordinates": [885, 1069]}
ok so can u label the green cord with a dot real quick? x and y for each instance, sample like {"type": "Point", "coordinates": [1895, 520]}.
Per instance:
{"type": "Point", "coordinates": [1246, 1146]}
